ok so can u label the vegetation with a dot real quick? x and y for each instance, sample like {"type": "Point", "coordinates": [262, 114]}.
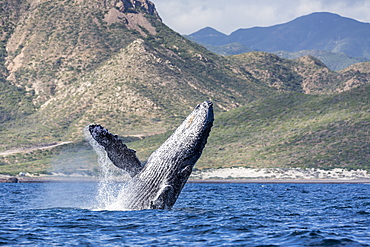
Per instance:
{"type": "Point", "coordinates": [288, 130]}
{"type": "Point", "coordinates": [335, 61]}
{"type": "Point", "coordinates": [66, 65]}
{"type": "Point", "coordinates": [306, 74]}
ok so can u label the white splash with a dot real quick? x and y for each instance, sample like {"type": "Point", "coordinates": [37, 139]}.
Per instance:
{"type": "Point", "coordinates": [108, 189]}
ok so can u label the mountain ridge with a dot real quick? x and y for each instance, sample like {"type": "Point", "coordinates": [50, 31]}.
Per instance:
{"type": "Point", "coordinates": [316, 31]}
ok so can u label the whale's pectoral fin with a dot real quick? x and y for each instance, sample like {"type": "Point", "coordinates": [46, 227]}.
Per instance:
{"type": "Point", "coordinates": [167, 195]}
{"type": "Point", "coordinates": [185, 173]}
{"type": "Point", "coordinates": [164, 195]}
{"type": "Point", "coordinates": [120, 155]}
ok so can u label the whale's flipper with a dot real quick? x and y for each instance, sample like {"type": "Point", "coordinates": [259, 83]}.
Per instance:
{"type": "Point", "coordinates": [168, 193]}
{"type": "Point", "coordinates": [164, 198]}
{"type": "Point", "coordinates": [120, 155]}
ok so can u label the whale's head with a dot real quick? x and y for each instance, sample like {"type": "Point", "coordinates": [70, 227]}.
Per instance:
{"type": "Point", "coordinates": [185, 145]}
{"type": "Point", "coordinates": [191, 136]}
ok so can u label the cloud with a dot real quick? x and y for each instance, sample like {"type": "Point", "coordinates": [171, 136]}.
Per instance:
{"type": "Point", "coordinates": [187, 16]}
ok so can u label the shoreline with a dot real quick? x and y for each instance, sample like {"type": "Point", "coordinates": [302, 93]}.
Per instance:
{"type": "Point", "coordinates": [283, 181]}
{"type": "Point", "coordinates": [223, 175]}
{"type": "Point", "coordinates": [50, 179]}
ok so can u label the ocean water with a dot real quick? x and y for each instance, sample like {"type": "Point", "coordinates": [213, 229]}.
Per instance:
{"type": "Point", "coordinates": [65, 214]}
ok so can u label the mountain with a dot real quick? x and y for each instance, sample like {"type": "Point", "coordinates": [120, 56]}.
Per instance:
{"type": "Point", "coordinates": [225, 50]}
{"type": "Point", "coordinates": [69, 63]}
{"type": "Point", "coordinates": [316, 31]}
{"type": "Point", "coordinates": [209, 36]}
{"type": "Point", "coordinates": [112, 62]}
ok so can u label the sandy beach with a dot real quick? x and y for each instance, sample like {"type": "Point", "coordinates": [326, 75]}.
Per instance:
{"type": "Point", "coordinates": [280, 174]}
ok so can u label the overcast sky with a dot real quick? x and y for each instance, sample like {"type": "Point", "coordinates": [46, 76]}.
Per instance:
{"type": "Point", "coordinates": [188, 16]}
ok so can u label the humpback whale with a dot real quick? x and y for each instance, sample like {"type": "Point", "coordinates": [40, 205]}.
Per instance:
{"type": "Point", "coordinates": [157, 183]}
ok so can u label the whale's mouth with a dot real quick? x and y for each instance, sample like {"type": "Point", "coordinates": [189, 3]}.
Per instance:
{"type": "Point", "coordinates": [200, 118]}
{"type": "Point", "coordinates": [206, 104]}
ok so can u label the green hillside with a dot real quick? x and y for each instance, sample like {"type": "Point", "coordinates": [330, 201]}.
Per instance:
{"type": "Point", "coordinates": [335, 61]}
{"type": "Point", "coordinates": [306, 74]}
{"type": "Point", "coordinates": [295, 130]}
{"type": "Point", "coordinates": [289, 130]}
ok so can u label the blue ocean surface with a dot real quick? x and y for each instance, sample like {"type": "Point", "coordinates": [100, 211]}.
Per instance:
{"type": "Point", "coordinates": [65, 214]}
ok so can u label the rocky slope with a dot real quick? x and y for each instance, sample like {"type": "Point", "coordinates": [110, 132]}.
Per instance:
{"type": "Point", "coordinates": [333, 60]}
{"type": "Point", "coordinates": [108, 62]}
{"type": "Point", "coordinates": [305, 74]}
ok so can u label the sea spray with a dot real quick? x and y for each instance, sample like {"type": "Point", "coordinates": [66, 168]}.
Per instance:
{"type": "Point", "coordinates": [107, 188]}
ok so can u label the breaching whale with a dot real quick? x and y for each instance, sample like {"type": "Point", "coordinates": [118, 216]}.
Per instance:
{"type": "Point", "coordinates": [157, 183]}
